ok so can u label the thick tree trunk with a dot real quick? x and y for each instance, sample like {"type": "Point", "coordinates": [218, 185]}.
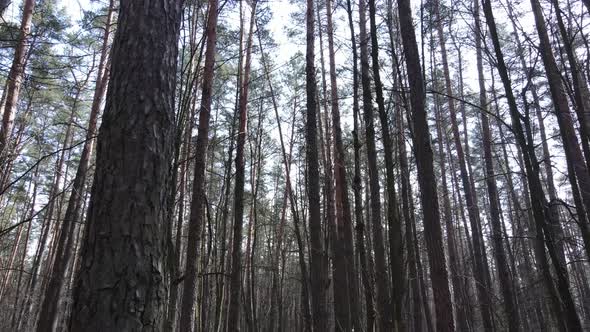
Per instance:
{"type": "Point", "coordinates": [124, 248]}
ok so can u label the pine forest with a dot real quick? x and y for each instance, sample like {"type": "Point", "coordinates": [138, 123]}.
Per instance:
{"type": "Point", "coordinates": [295, 165]}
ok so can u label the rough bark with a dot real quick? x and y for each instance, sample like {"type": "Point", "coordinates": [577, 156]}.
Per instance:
{"type": "Point", "coordinates": [121, 280]}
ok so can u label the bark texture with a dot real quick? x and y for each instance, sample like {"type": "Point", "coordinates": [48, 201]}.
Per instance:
{"type": "Point", "coordinates": [121, 283]}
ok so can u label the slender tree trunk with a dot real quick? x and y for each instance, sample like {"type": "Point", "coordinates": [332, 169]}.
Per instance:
{"type": "Point", "coordinates": [523, 214]}
{"type": "Point", "coordinates": [408, 211]}
{"type": "Point", "coordinates": [394, 302]}
{"type": "Point", "coordinates": [537, 196]}
{"type": "Point", "coordinates": [51, 210]}
{"type": "Point", "coordinates": [426, 177]}
{"type": "Point", "coordinates": [339, 214]}
{"type": "Point", "coordinates": [581, 93]}
{"type": "Point", "coordinates": [469, 193]}
{"type": "Point", "coordinates": [197, 205]}
{"type": "Point", "coordinates": [381, 279]}
{"type": "Point", "coordinates": [343, 211]}
{"type": "Point", "coordinates": [292, 199]}
{"type": "Point", "coordinates": [317, 262]}
{"type": "Point", "coordinates": [459, 291]}
{"type": "Point", "coordinates": [509, 298]}
{"type": "Point", "coordinates": [547, 158]}
{"type": "Point", "coordinates": [15, 81]}
{"type": "Point", "coordinates": [571, 144]}
{"type": "Point", "coordinates": [182, 151]}
{"type": "Point", "coordinates": [49, 308]}
{"type": "Point", "coordinates": [18, 293]}
{"type": "Point", "coordinates": [358, 202]}
{"type": "Point", "coordinates": [341, 307]}
{"type": "Point", "coordinates": [573, 155]}
{"type": "Point", "coordinates": [255, 178]}
{"type": "Point", "coordinates": [236, 271]}
{"type": "Point", "coordinates": [10, 266]}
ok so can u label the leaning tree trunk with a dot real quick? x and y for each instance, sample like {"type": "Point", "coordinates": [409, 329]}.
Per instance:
{"type": "Point", "coordinates": [538, 200]}
{"type": "Point", "coordinates": [48, 314]}
{"type": "Point", "coordinates": [580, 86]}
{"type": "Point", "coordinates": [426, 177]}
{"type": "Point", "coordinates": [547, 159]}
{"type": "Point", "coordinates": [14, 84]}
{"type": "Point", "coordinates": [510, 306]}
{"type": "Point", "coordinates": [473, 212]}
{"type": "Point", "coordinates": [197, 205]}
{"type": "Point", "coordinates": [574, 156]}
{"type": "Point", "coordinates": [565, 120]}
